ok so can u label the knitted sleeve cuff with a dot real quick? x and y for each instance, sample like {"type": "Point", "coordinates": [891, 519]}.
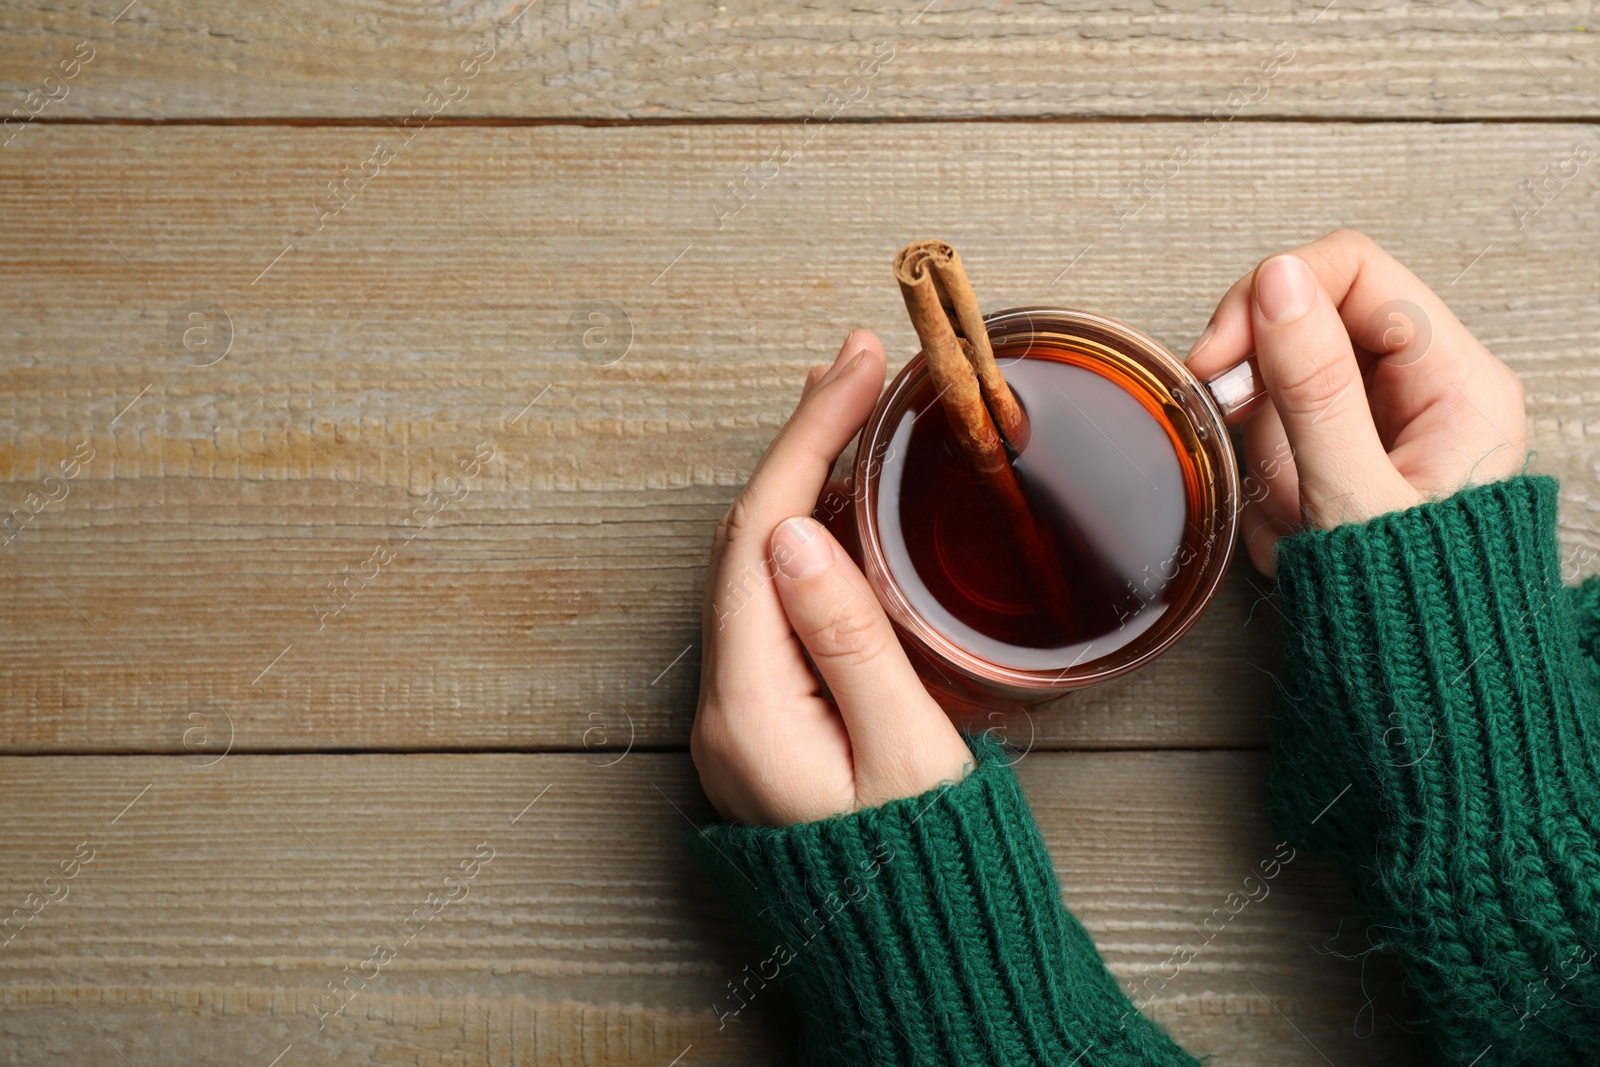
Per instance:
{"type": "Point", "coordinates": [1424, 652]}
{"type": "Point", "coordinates": [929, 930]}
{"type": "Point", "coordinates": [1439, 735]}
{"type": "Point", "coordinates": [1586, 615]}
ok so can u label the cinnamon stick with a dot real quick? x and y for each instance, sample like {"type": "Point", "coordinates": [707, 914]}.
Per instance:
{"type": "Point", "coordinates": [942, 264]}
{"type": "Point", "coordinates": [983, 417]}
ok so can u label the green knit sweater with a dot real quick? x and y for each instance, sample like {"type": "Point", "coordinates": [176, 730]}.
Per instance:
{"type": "Point", "coordinates": [1437, 677]}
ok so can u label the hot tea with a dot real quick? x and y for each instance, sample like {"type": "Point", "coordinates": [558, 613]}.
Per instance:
{"type": "Point", "coordinates": [1113, 474]}
{"type": "Point", "coordinates": [1043, 499]}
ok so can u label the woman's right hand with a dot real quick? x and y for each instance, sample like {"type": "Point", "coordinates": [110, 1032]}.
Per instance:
{"type": "Point", "coordinates": [808, 705]}
{"type": "Point", "coordinates": [1379, 399]}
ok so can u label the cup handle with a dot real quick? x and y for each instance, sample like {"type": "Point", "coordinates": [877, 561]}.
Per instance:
{"type": "Point", "coordinates": [1237, 387]}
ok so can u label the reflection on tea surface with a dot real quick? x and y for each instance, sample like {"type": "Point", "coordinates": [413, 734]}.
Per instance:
{"type": "Point", "coordinates": [1104, 471]}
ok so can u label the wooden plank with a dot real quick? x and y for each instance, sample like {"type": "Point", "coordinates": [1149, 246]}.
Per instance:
{"type": "Point", "coordinates": [553, 601]}
{"type": "Point", "coordinates": [222, 903]}
{"type": "Point", "coordinates": [301, 59]}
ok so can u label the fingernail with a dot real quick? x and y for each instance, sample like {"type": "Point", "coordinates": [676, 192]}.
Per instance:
{"type": "Point", "coordinates": [1205, 339]}
{"type": "Point", "coordinates": [798, 552]}
{"type": "Point", "coordinates": [843, 366]}
{"type": "Point", "coordinates": [1285, 289]}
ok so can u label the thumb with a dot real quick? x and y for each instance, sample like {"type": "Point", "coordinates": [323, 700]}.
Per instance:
{"type": "Point", "coordinates": [901, 740]}
{"type": "Point", "coordinates": [1311, 373]}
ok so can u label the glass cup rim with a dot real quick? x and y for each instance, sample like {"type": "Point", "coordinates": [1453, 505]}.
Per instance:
{"type": "Point", "coordinates": [1039, 684]}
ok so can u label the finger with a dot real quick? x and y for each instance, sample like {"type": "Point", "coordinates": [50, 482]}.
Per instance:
{"type": "Point", "coordinates": [827, 372]}
{"type": "Point", "coordinates": [901, 740]}
{"type": "Point", "coordinates": [786, 482]}
{"type": "Point", "coordinates": [1386, 310]}
{"type": "Point", "coordinates": [1227, 338]}
{"type": "Point", "coordinates": [1261, 533]}
{"type": "Point", "coordinates": [1424, 360]}
{"type": "Point", "coordinates": [813, 376]}
{"type": "Point", "coordinates": [808, 440]}
{"type": "Point", "coordinates": [1227, 341]}
{"type": "Point", "coordinates": [1311, 373]}
{"type": "Point", "coordinates": [836, 510]}
{"type": "Point", "coordinates": [1270, 478]}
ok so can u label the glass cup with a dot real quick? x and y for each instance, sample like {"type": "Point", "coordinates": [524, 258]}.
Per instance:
{"type": "Point", "coordinates": [963, 680]}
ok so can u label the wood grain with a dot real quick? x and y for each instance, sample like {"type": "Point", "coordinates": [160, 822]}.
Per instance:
{"type": "Point", "coordinates": [618, 59]}
{"type": "Point", "coordinates": [218, 907]}
{"type": "Point", "coordinates": [276, 342]}
{"type": "Point", "coordinates": [554, 602]}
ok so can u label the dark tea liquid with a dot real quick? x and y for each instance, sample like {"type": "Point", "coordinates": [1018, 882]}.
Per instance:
{"type": "Point", "coordinates": [1105, 469]}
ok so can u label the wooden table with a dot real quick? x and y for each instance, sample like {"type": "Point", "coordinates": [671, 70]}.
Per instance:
{"type": "Point", "coordinates": [278, 673]}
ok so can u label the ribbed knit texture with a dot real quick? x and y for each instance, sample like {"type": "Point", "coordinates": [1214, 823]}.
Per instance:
{"type": "Point", "coordinates": [928, 931]}
{"type": "Point", "coordinates": [1586, 607]}
{"type": "Point", "coordinates": [1440, 736]}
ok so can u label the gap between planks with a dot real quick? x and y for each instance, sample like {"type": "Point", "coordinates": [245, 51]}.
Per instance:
{"type": "Point", "coordinates": [515, 121]}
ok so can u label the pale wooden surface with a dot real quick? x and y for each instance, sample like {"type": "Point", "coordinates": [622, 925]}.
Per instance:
{"type": "Point", "coordinates": [672, 59]}
{"type": "Point", "coordinates": [547, 606]}
{"type": "Point", "coordinates": [221, 904]}
{"type": "Point", "coordinates": [166, 604]}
